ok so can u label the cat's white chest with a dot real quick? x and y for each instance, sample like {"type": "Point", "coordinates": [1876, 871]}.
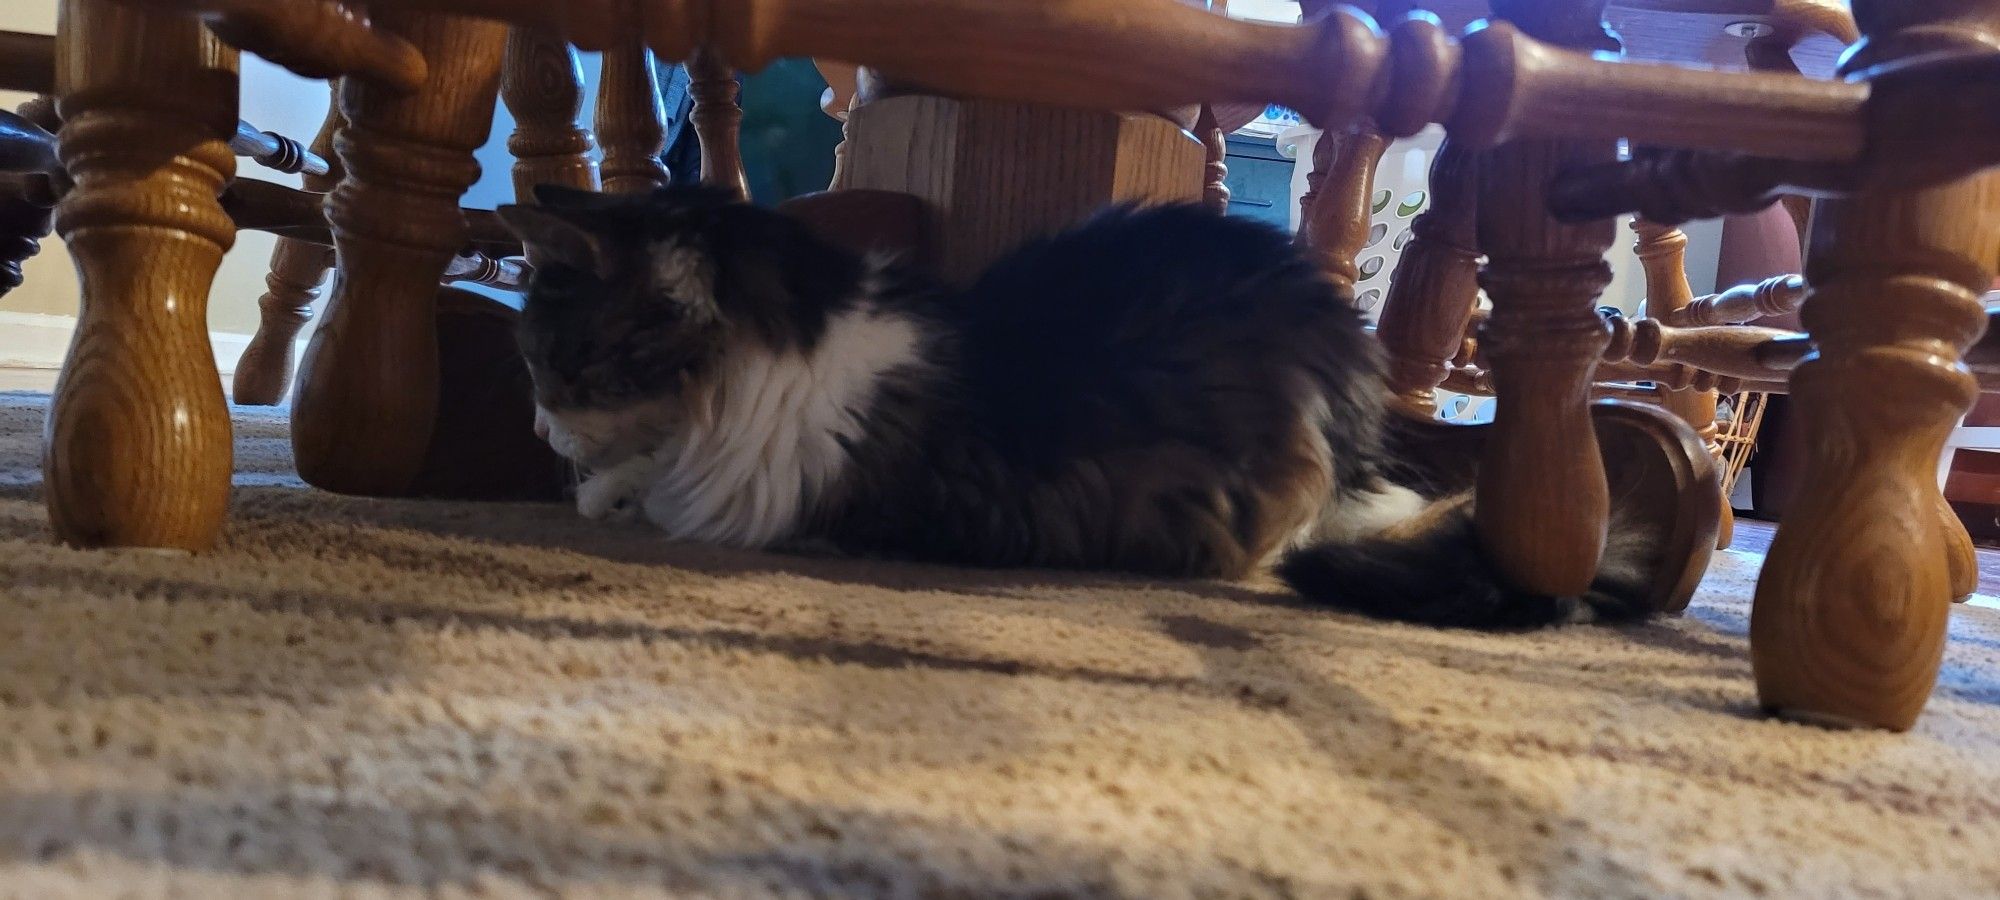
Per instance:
{"type": "Point", "coordinates": [768, 438]}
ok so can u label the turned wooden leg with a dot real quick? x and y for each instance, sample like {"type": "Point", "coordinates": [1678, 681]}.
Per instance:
{"type": "Point", "coordinates": [138, 440]}
{"type": "Point", "coordinates": [368, 388]}
{"type": "Point", "coordinates": [840, 150]}
{"type": "Point", "coordinates": [1662, 252]}
{"type": "Point", "coordinates": [264, 372]}
{"type": "Point", "coordinates": [1436, 285]}
{"type": "Point", "coordinates": [1961, 556]}
{"type": "Point", "coordinates": [1215, 160]}
{"type": "Point", "coordinates": [841, 92]}
{"type": "Point", "coordinates": [718, 121]}
{"type": "Point", "coordinates": [1849, 624]}
{"type": "Point", "coordinates": [631, 120]}
{"type": "Point", "coordinates": [1542, 494]}
{"type": "Point", "coordinates": [543, 88]}
{"type": "Point", "coordinates": [1336, 222]}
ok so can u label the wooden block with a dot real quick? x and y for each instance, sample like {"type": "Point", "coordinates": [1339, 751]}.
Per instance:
{"type": "Point", "coordinates": [999, 174]}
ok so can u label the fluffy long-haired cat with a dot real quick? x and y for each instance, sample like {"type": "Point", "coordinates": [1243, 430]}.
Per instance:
{"type": "Point", "coordinates": [1162, 391]}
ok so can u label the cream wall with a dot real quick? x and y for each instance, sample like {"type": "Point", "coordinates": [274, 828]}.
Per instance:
{"type": "Point", "coordinates": [272, 99]}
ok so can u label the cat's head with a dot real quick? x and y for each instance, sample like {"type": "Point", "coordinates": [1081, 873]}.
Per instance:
{"type": "Point", "coordinates": [637, 298]}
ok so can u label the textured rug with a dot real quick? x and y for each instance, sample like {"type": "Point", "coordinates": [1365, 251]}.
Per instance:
{"type": "Point", "coordinates": [356, 697]}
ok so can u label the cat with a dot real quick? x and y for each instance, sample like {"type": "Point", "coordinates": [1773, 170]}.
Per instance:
{"type": "Point", "coordinates": [1161, 390]}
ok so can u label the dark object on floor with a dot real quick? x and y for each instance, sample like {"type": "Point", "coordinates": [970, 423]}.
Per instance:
{"type": "Point", "coordinates": [484, 445]}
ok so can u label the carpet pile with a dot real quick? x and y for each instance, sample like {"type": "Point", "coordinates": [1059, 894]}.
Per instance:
{"type": "Point", "coordinates": [370, 698]}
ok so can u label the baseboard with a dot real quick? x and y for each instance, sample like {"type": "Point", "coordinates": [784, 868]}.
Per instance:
{"type": "Point", "coordinates": [32, 348]}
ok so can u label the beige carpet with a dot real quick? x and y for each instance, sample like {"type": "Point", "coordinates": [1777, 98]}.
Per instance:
{"type": "Point", "coordinates": [374, 698]}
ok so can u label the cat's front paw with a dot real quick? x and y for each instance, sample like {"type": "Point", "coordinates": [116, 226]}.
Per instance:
{"type": "Point", "coordinates": [607, 497]}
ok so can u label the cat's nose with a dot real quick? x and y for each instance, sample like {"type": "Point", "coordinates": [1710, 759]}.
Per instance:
{"type": "Point", "coordinates": [541, 424]}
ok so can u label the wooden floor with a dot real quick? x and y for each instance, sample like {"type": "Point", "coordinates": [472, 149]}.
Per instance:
{"type": "Point", "coordinates": [1753, 536]}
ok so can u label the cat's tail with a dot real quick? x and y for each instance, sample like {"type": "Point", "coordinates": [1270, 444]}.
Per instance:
{"type": "Point", "coordinates": [1429, 569]}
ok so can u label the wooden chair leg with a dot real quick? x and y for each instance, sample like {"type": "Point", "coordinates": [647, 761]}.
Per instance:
{"type": "Point", "coordinates": [842, 90]}
{"type": "Point", "coordinates": [138, 439]}
{"type": "Point", "coordinates": [368, 388]}
{"type": "Point", "coordinates": [631, 120]}
{"type": "Point", "coordinates": [718, 121]}
{"type": "Point", "coordinates": [1436, 285]}
{"type": "Point", "coordinates": [1849, 624]}
{"type": "Point", "coordinates": [1336, 222]}
{"type": "Point", "coordinates": [264, 372]}
{"type": "Point", "coordinates": [840, 150]}
{"type": "Point", "coordinates": [543, 88]}
{"type": "Point", "coordinates": [1543, 501]}
{"type": "Point", "coordinates": [1215, 160]}
{"type": "Point", "coordinates": [1662, 252]}
{"type": "Point", "coordinates": [1665, 481]}
{"type": "Point", "coordinates": [1961, 555]}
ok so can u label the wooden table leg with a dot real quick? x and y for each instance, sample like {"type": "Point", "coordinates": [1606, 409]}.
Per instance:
{"type": "Point", "coordinates": [138, 440]}
{"type": "Point", "coordinates": [264, 372]}
{"type": "Point", "coordinates": [1542, 496]}
{"type": "Point", "coordinates": [1662, 251]}
{"type": "Point", "coordinates": [1849, 624]}
{"type": "Point", "coordinates": [367, 391]}
{"type": "Point", "coordinates": [1436, 285]}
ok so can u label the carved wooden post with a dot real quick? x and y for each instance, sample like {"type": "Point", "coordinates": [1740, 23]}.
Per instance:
{"type": "Point", "coordinates": [1215, 161]}
{"type": "Point", "coordinates": [1436, 285]}
{"type": "Point", "coordinates": [543, 88]}
{"type": "Point", "coordinates": [1662, 251]}
{"type": "Point", "coordinates": [842, 91]}
{"type": "Point", "coordinates": [137, 442]}
{"type": "Point", "coordinates": [264, 372]}
{"type": "Point", "coordinates": [367, 393]}
{"type": "Point", "coordinates": [718, 121]}
{"type": "Point", "coordinates": [631, 120]}
{"type": "Point", "coordinates": [1849, 624]}
{"type": "Point", "coordinates": [1337, 221]}
{"type": "Point", "coordinates": [1542, 496]}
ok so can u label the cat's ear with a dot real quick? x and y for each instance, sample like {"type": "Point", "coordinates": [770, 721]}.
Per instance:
{"type": "Point", "coordinates": [557, 238]}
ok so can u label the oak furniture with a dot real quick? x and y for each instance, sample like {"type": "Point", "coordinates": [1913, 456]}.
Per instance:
{"type": "Point", "coordinates": [1849, 621]}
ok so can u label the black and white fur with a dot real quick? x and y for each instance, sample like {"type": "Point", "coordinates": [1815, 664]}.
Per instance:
{"type": "Point", "coordinates": [1162, 391]}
